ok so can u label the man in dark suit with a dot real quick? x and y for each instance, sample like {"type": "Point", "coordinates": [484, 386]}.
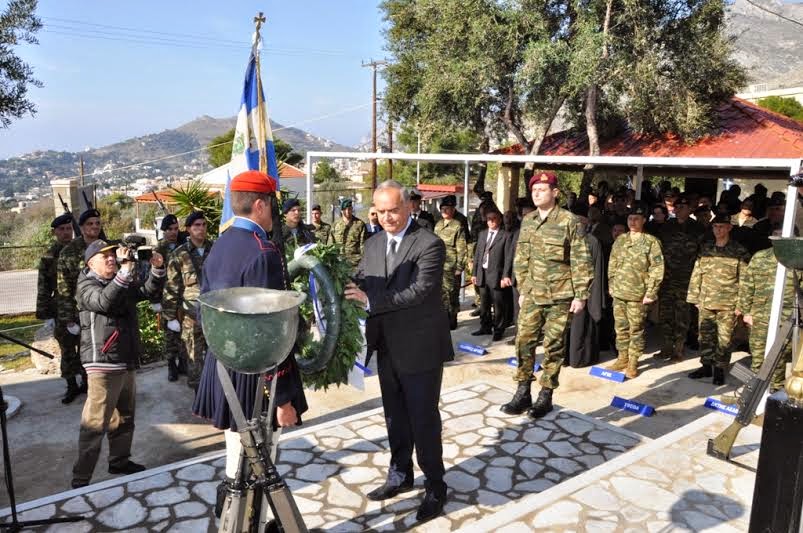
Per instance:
{"type": "Point", "coordinates": [423, 218]}
{"type": "Point", "coordinates": [373, 227]}
{"type": "Point", "coordinates": [399, 281]}
{"type": "Point", "coordinates": [493, 270]}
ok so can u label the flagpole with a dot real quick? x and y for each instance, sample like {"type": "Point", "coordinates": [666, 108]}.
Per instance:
{"type": "Point", "coordinates": [262, 132]}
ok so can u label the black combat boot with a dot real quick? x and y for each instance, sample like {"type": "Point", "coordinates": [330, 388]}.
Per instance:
{"type": "Point", "coordinates": [719, 376]}
{"type": "Point", "coordinates": [521, 401]}
{"type": "Point", "coordinates": [73, 391]}
{"type": "Point", "coordinates": [542, 405]}
{"type": "Point", "coordinates": [172, 369]}
{"type": "Point", "coordinates": [704, 371]}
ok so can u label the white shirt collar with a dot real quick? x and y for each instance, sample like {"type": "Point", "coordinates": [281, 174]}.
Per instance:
{"type": "Point", "coordinates": [398, 236]}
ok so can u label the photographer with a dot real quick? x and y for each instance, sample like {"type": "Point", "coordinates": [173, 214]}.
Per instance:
{"type": "Point", "coordinates": [110, 352]}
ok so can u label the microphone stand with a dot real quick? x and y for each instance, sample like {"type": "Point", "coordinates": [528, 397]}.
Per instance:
{"type": "Point", "coordinates": [15, 525]}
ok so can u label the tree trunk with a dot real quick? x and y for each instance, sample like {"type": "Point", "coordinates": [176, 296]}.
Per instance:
{"type": "Point", "coordinates": [479, 186]}
{"type": "Point", "coordinates": [540, 132]}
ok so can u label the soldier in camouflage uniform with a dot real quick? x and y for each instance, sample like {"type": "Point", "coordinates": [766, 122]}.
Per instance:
{"type": "Point", "coordinates": [554, 272]}
{"type": "Point", "coordinates": [755, 301]}
{"type": "Point", "coordinates": [294, 232]}
{"type": "Point", "coordinates": [451, 232]}
{"type": "Point", "coordinates": [181, 292]}
{"type": "Point", "coordinates": [173, 347]}
{"type": "Point", "coordinates": [714, 289]}
{"type": "Point", "coordinates": [681, 238]}
{"type": "Point", "coordinates": [69, 265]}
{"type": "Point", "coordinates": [635, 271]}
{"type": "Point", "coordinates": [46, 308]}
{"type": "Point", "coordinates": [321, 230]}
{"type": "Point", "coordinates": [349, 233]}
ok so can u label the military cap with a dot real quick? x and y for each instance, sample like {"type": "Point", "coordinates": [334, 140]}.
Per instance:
{"type": "Point", "coordinates": [415, 195]}
{"type": "Point", "coordinates": [65, 218]}
{"type": "Point", "coordinates": [547, 177]}
{"type": "Point", "coordinates": [486, 195]}
{"type": "Point", "coordinates": [721, 219]}
{"type": "Point", "coordinates": [97, 247]}
{"type": "Point", "coordinates": [449, 201]}
{"type": "Point", "coordinates": [316, 207]}
{"type": "Point", "coordinates": [289, 204]}
{"type": "Point", "coordinates": [682, 200]}
{"type": "Point", "coordinates": [346, 203]}
{"type": "Point", "coordinates": [776, 201]}
{"type": "Point", "coordinates": [253, 181]}
{"type": "Point", "coordinates": [168, 221]}
{"type": "Point", "coordinates": [192, 217]}
{"type": "Point", "coordinates": [640, 208]}
{"type": "Point", "coordinates": [86, 215]}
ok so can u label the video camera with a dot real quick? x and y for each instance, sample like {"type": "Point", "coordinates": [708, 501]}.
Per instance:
{"type": "Point", "coordinates": [137, 248]}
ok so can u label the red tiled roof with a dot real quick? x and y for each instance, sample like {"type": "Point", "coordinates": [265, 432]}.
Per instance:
{"type": "Point", "coordinates": [289, 171]}
{"type": "Point", "coordinates": [743, 130]}
{"type": "Point", "coordinates": [436, 187]}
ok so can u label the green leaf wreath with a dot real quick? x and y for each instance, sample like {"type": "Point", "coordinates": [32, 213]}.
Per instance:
{"type": "Point", "coordinates": [350, 339]}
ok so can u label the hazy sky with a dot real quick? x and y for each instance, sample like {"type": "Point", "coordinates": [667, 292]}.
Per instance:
{"type": "Point", "coordinates": [114, 70]}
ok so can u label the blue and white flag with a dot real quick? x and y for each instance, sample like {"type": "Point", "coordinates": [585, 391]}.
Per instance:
{"type": "Point", "coordinates": [252, 148]}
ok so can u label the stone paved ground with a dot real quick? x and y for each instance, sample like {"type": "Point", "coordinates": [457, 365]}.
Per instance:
{"type": "Point", "coordinates": [492, 460]}
{"type": "Point", "coordinates": [667, 485]}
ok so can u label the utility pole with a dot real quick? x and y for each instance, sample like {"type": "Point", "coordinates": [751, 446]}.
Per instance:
{"type": "Point", "coordinates": [373, 65]}
{"type": "Point", "coordinates": [390, 148]}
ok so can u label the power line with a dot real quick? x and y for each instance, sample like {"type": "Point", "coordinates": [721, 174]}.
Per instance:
{"type": "Point", "coordinates": [141, 163]}
{"type": "Point", "coordinates": [771, 12]}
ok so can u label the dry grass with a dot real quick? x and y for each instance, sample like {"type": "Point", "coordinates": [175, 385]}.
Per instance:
{"type": "Point", "coordinates": [13, 356]}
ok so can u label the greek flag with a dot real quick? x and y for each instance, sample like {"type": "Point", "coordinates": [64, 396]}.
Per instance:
{"type": "Point", "coordinates": [252, 148]}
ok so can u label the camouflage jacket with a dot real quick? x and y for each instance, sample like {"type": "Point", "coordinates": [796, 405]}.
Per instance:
{"type": "Point", "coordinates": [70, 263]}
{"type": "Point", "coordinates": [183, 284]}
{"type": "Point", "coordinates": [681, 246]}
{"type": "Point", "coordinates": [758, 284]}
{"type": "Point", "coordinates": [303, 235]}
{"type": "Point", "coordinates": [636, 267]}
{"type": "Point", "coordinates": [323, 233]}
{"type": "Point", "coordinates": [46, 283]}
{"type": "Point", "coordinates": [165, 248]}
{"type": "Point", "coordinates": [717, 274]}
{"type": "Point", "coordinates": [552, 262]}
{"type": "Point", "coordinates": [451, 232]}
{"type": "Point", "coordinates": [351, 238]}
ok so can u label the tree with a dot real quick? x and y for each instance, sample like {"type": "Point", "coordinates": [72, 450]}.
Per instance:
{"type": "Point", "coordinates": [325, 172]}
{"type": "Point", "coordinates": [509, 67]}
{"type": "Point", "coordinates": [219, 150]}
{"type": "Point", "coordinates": [18, 23]}
{"type": "Point", "coordinates": [785, 106]}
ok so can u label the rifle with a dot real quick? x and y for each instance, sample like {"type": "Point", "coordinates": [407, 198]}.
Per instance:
{"type": "Point", "coordinates": [756, 385]}
{"type": "Point", "coordinates": [162, 207]}
{"type": "Point", "coordinates": [75, 227]}
{"type": "Point", "coordinates": [89, 205]}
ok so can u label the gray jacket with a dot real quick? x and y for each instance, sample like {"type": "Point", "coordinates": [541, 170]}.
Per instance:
{"type": "Point", "coordinates": [110, 338]}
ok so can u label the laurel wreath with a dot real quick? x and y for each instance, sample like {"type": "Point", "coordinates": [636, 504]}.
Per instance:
{"type": "Point", "coordinates": [350, 340]}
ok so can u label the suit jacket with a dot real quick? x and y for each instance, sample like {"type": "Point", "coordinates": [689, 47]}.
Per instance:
{"type": "Point", "coordinates": [407, 323]}
{"type": "Point", "coordinates": [425, 220]}
{"type": "Point", "coordinates": [500, 261]}
{"type": "Point", "coordinates": [369, 233]}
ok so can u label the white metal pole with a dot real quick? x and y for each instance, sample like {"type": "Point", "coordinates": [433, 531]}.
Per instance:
{"type": "Point", "coordinates": [309, 188]}
{"type": "Point", "coordinates": [418, 164]}
{"type": "Point", "coordinates": [639, 181]}
{"type": "Point", "coordinates": [465, 190]}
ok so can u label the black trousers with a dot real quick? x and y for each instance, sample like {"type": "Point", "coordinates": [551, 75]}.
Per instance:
{"type": "Point", "coordinates": [496, 299]}
{"type": "Point", "coordinates": [413, 420]}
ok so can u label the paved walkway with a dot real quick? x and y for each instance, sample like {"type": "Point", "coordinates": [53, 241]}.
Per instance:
{"type": "Point", "coordinates": [492, 460]}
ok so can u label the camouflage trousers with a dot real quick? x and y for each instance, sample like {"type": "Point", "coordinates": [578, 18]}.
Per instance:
{"type": "Point", "coordinates": [552, 321]}
{"type": "Point", "coordinates": [629, 321]}
{"type": "Point", "coordinates": [675, 314]}
{"type": "Point", "coordinates": [450, 295]}
{"type": "Point", "coordinates": [69, 345]}
{"type": "Point", "coordinates": [758, 345]}
{"type": "Point", "coordinates": [173, 346]}
{"type": "Point", "coordinates": [716, 330]}
{"type": "Point", "coordinates": [195, 344]}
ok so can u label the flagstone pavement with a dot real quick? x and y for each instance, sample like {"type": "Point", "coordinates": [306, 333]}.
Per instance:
{"type": "Point", "coordinates": [492, 460]}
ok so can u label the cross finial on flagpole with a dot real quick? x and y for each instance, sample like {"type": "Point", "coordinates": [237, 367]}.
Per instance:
{"type": "Point", "coordinates": [259, 20]}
